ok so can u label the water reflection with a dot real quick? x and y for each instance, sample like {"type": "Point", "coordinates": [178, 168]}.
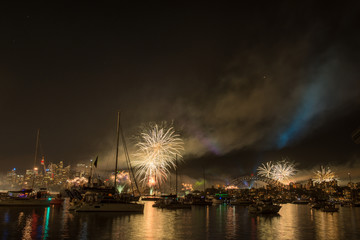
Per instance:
{"type": "Point", "coordinates": [214, 222]}
{"type": "Point", "coordinates": [231, 223]}
{"type": "Point", "coordinates": [290, 219]}
{"type": "Point", "coordinates": [20, 218]}
{"type": "Point", "coordinates": [46, 223]}
{"type": "Point", "coordinates": [26, 233]}
{"type": "Point", "coordinates": [327, 225]}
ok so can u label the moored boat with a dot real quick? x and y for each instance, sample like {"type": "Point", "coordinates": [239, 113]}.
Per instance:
{"type": "Point", "coordinates": [241, 202]}
{"type": "Point", "coordinates": [264, 207]}
{"type": "Point", "coordinates": [329, 208]}
{"type": "Point", "coordinates": [317, 205]}
{"type": "Point", "coordinates": [109, 200]}
{"type": "Point", "coordinates": [102, 202]}
{"type": "Point", "coordinates": [57, 201]}
{"type": "Point", "coordinates": [171, 202]}
{"type": "Point", "coordinates": [26, 197]}
{"type": "Point", "coordinates": [177, 205]}
{"type": "Point", "coordinates": [301, 201]}
{"type": "Point", "coordinates": [149, 198]}
{"type": "Point", "coordinates": [198, 200]}
{"type": "Point", "coordinates": [216, 200]}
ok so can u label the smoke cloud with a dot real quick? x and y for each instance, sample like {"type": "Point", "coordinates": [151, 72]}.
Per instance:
{"type": "Point", "coordinates": [269, 105]}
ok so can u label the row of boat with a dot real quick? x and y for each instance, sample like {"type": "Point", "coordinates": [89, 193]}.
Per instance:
{"type": "Point", "coordinates": [103, 200]}
{"type": "Point", "coordinates": [108, 200]}
{"type": "Point", "coordinates": [29, 197]}
{"type": "Point", "coordinates": [326, 206]}
{"type": "Point", "coordinates": [258, 207]}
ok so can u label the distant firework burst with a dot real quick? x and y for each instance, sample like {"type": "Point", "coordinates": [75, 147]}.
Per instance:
{"type": "Point", "coordinates": [158, 146]}
{"type": "Point", "coordinates": [283, 170]}
{"type": "Point", "coordinates": [265, 170]}
{"type": "Point", "coordinates": [78, 181]}
{"type": "Point", "coordinates": [122, 177]}
{"type": "Point", "coordinates": [324, 175]}
{"type": "Point", "coordinates": [280, 171]}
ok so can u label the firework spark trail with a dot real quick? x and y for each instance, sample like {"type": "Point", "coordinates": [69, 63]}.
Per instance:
{"type": "Point", "coordinates": [158, 148]}
{"type": "Point", "coordinates": [324, 175]}
{"type": "Point", "coordinates": [280, 171]}
{"type": "Point", "coordinates": [283, 170]}
{"type": "Point", "coordinates": [265, 170]}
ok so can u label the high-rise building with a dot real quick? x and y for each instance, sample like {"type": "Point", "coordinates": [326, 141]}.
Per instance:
{"type": "Point", "coordinates": [309, 185]}
{"type": "Point", "coordinates": [11, 177]}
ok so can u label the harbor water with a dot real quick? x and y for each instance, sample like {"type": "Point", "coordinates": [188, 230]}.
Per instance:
{"type": "Point", "coordinates": [214, 222]}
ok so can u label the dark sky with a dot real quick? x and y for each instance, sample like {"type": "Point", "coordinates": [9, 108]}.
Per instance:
{"type": "Point", "coordinates": [243, 83]}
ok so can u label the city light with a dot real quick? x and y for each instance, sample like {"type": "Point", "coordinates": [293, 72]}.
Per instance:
{"type": "Point", "coordinates": [187, 187]}
{"type": "Point", "coordinates": [231, 187]}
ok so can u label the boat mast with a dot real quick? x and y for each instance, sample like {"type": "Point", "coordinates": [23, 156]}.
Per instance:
{"type": "Point", "coordinates": [90, 176]}
{"type": "Point", "coordinates": [131, 171]}
{"type": "Point", "coordinates": [37, 146]}
{"type": "Point", "coordinates": [36, 153]}
{"type": "Point", "coordinates": [170, 182]}
{"type": "Point", "coordinates": [176, 170]}
{"type": "Point", "coordinates": [204, 181]}
{"type": "Point", "coordinates": [117, 147]}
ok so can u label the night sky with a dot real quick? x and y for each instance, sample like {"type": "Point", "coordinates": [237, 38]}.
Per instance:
{"type": "Point", "coordinates": [243, 84]}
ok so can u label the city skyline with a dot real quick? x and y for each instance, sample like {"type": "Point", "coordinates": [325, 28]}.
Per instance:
{"type": "Point", "coordinates": [48, 176]}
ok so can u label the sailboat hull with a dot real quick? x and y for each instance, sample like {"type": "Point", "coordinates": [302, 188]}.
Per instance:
{"type": "Point", "coordinates": [24, 202]}
{"type": "Point", "coordinates": [111, 207]}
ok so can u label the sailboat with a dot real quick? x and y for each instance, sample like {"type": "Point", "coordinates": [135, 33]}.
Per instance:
{"type": "Point", "coordinates": [108, 200]}
{"type": "Point", "coordinates": [172, 201]}
{"type": "Point", "coordinates": [28, 197]}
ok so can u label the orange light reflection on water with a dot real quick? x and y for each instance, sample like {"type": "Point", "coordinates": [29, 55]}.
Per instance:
{"type": "Point", "coordinates": [27, 229]}
{"type": "Point", "coordinates": [285, 227]}
{"type": "Point", "coordinates": [215, 222]}
{"type": "Point", "coordinates": [231, 223]}
{"type": "Point", "coordinates": [34, 224]}
{"type": "Point", "coordinates": [328, 225]}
